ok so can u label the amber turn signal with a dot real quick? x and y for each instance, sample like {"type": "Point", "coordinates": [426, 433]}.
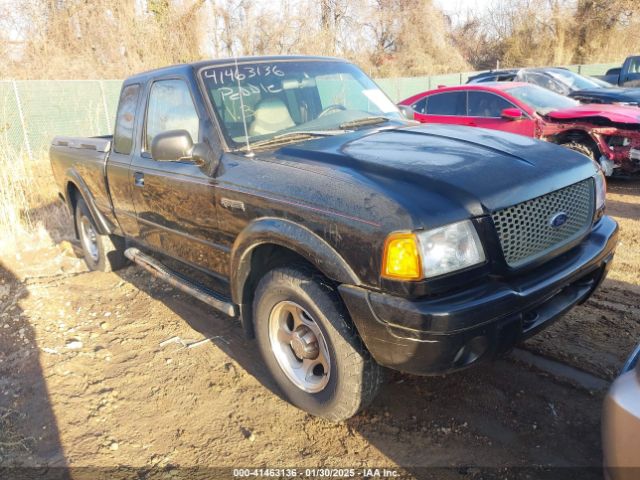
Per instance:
{"type": "Point", "coordinates": [401, 259]}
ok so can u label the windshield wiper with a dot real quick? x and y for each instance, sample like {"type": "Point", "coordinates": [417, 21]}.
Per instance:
{"type": "Point", "coordinates": [289, 137]}
{"type": "Point", "coordinates": [361, 122]}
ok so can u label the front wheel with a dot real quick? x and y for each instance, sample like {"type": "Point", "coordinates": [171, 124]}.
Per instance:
{"type": "Point", "coordinates": [582, 148]}
{"type": "Point", "coordinates": [310, 347]}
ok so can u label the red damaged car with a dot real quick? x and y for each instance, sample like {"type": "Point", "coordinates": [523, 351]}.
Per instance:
{"type": "Point", "coordinates": [610, 134]}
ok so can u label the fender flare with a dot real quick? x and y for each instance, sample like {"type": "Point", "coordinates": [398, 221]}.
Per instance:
{"type": "Point", "coordinates": [292, 236]}
{"type": "Point", "coordinates": [73, 178]}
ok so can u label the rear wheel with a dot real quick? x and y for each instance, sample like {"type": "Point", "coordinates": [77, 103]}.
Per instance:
{"type": "Point", "coordinates": [101, 252]}
{"type": "Point", "coordinates": [310, 347]}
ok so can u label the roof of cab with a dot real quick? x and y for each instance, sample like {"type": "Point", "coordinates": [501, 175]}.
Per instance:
{"type": "Point", "coordinates": [186, 68]}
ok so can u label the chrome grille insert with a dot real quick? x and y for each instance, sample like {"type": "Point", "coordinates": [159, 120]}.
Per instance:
{"type": "Point", "coordinates": [532, 229]}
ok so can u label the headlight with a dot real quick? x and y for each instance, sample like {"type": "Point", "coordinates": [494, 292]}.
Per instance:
{"type": "Point", "coordinates": [601, 189]}
{"type": "Point", "coordinates": [411, 256]}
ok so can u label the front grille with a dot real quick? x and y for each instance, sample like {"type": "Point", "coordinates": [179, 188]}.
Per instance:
{"type": "Point", "coordinates": [526, 230]}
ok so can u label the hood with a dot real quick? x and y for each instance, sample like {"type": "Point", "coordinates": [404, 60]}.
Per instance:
{"type": "Point", "coordinates": [609, 94]}
{"type": "Point", "coordinates": [440, 169]}
{"type": "Point", "coordinates": [613, 113]}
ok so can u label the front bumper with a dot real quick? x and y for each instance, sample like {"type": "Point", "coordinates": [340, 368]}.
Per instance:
{"type": "Point", "coordinates": [446, 333]}
{"type": "Point", "coordinates": [621, 424]}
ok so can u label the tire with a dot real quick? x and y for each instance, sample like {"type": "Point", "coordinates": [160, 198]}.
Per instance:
{"type": "Point", "coordinates": [582, 148]}
{"type": "Point", "coordinates": [104, 253]}
{"type": "Point", "coordinates": [353, 378]}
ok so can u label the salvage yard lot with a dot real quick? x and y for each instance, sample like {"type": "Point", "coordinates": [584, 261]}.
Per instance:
{"type": "Point", "coordinates": [91, 374]}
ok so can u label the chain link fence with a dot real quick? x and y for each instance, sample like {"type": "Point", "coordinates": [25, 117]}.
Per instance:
{"type": "Point", "coordinates": [32, 112]}
{"type": "Point", "coordinates": [403, 87]}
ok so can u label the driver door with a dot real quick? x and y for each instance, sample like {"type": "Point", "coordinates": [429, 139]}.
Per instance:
{"type": "Point", "coordinates": [175, 200]}
{"type": "Point", "coordinates": [484, 110]}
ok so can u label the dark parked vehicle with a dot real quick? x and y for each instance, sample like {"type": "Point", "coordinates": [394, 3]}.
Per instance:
{"type": "Point", "coordinates": [565, 82]}
{"type": "Point", "coordinates": [612, 95]}
{"type": "Point", "coordinates": [626, 76]}
{"type": "Point", "coordinates": [289, 193]}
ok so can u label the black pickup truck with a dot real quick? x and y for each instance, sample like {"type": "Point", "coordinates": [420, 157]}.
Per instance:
{"type": "Point", "coordinates": [289, 193]}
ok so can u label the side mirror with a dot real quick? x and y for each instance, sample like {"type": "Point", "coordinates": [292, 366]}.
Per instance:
{"type": "Point", "coordinates": [512, 114]}
{"type": "Point", "coordinates": [177, 146]}
{"type": "Point", "coordinates": [407, 111]}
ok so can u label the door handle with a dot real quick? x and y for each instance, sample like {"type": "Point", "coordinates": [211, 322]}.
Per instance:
{"type": "Point", "coordinates": [472, 124]}
{"type": "Point", "coordinates": [138, 179]}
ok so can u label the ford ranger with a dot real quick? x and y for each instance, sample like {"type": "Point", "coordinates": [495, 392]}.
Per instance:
{"type": "Point", "coordinates": [289, 193]}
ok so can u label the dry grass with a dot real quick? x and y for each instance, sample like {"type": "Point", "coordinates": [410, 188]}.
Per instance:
{"type": "Point", "coordinates": [30, 211]}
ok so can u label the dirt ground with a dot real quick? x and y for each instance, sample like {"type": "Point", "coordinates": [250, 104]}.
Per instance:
{"type": "Point", "coordinates": [90, 378]}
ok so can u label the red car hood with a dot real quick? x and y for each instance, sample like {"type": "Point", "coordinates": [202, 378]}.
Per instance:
{"type": "Point", "coordinates": [613, 113]}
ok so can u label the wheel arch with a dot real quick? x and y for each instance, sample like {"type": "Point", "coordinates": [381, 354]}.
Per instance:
{"type": "Point", "coordinates": [268, 243]}
{"type": "Point", "coordinates": [577, 135]}
{"type": "Point", "coordinates": [76, 188]}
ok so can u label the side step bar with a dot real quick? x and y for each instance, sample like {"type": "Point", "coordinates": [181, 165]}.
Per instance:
{"type": "Point", "coordinates": [174, 279]}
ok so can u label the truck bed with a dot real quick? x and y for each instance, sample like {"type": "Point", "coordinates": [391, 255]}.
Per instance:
{"type": "Point", "coordinates": [99, 144]}
{"type": "Point", "coordinates": [87, 156]}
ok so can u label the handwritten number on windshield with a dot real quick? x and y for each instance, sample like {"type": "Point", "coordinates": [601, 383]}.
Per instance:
{"type": "Point", "coordinates": [220, 76]}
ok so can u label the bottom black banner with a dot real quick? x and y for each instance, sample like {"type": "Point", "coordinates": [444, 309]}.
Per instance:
{"type": "Point", "coordinates": [211, 473]}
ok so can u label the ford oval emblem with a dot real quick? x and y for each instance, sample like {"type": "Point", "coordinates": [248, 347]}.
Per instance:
{"type": "Point", "coordinates": [558, 219]}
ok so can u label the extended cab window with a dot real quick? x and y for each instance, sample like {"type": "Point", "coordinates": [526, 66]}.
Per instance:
{"type": "Point", "coordinates": [123, 134]}
{"type": "Point", "coordinates": [483, 104]}
{"type": "Point", "coordinates": [170, 108]}
{"type": "Point", "coordinates": [450, 103]}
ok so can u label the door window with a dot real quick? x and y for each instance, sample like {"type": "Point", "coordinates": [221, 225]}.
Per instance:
{"type": "Point", "coordinates": [450, 103]}
{"type": "Point", "coordinates": [483, 104]}
{"type": "Point", "coordinates": [170, 108]}
{"type": "Point", "coordinates": [123, 134]}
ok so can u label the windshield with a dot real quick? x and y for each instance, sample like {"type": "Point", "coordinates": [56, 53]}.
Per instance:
{"type": "Point", "coordinates": [601, 83]}
{"type": "Point", "coordinates": [280, 98]}
{"type": "Point", "coordinates": [541, 99]}
{"type": "Point", "coordinates": [574, 80]}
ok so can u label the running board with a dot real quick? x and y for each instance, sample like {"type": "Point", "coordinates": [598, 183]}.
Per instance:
{"type": "Point", "coordinates": [176, 280]}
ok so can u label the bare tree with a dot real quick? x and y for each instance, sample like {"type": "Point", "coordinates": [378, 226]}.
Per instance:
{"type": "Point", "coordinates": [113, 38]}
